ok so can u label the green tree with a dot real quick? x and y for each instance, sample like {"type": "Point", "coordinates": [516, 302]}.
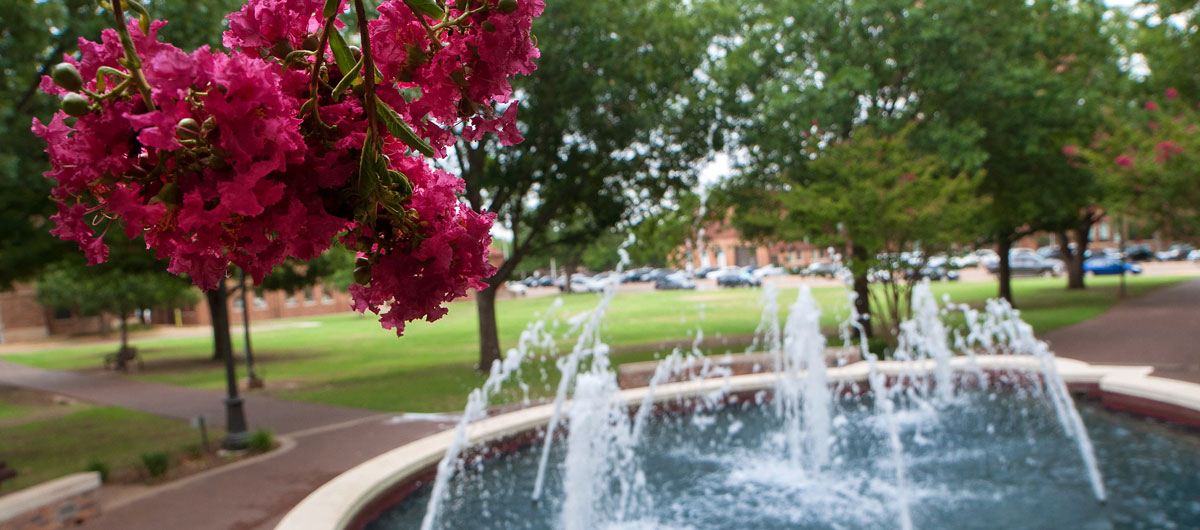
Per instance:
{"type": "Point", "coordinates": [130, 281]}
{"type": "Point", "coordinates": [1148, 160]}
{"type": "Point", "coordinates": [994, 85]}
{"type": "Point", "coordinates": [877, 196]}
{"type": "Point", "coordinates": [613, 118]}
{"type": "Point", "coordinates": [1022, 79]}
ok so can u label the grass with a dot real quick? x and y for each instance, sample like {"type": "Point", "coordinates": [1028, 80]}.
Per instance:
{"type": "Point", "coordinates": [46, 449]}
{"type": "Point", "coordinates": [348, 360]}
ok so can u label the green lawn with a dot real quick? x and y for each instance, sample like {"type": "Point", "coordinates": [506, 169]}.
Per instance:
{"type": "Point", "coordinates": [45, 449]}
{"type": "Point", "coordinates": [349, 360]}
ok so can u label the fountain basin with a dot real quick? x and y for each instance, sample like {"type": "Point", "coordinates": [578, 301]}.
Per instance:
{"type": "Point", "coordinates": [352, 499]}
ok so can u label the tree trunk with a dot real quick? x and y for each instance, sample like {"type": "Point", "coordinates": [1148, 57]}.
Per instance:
{"type": "Point", "coordinates": [489, 334]}
{"type": "Point", "coordinates": [1004, 271]}
{"type": "Point", "coordinates": [218, 309]}
{"type": "Point", "coordinates": [862, 288]}
{"type": "Point", "coordinates": [124, 333]}
{"type": "Point", "coordinates": [1075, 264]}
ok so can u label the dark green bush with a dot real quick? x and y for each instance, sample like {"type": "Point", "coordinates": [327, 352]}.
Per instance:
{"type": "Point", "coordinates": [156, 463]}
{"type": "Point", "coordinates": [261, 441]}
{"type": "Point", "coordinates": [99, 467]}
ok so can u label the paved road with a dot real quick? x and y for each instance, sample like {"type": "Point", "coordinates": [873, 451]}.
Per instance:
{"type": "Point", "coordinates": [1160, 329]}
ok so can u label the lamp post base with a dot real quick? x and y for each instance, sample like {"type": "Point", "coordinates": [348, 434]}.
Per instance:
{"type": "Point", "coordinates": [235, 425]}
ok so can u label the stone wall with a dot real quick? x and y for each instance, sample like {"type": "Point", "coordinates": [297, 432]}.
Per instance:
{"type": "Point", "coordinates": [62, 503]}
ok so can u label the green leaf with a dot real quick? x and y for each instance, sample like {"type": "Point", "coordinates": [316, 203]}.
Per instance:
{"type": "Point", "coordinates": [331, 8]}
{"type": "Point", "coordinates": [401, 130]}
{"type": "Point", "coordinates": [428, 8]}
{"type": "Point", "coordinates": [341, 52]}
{"type": "Point", "coordinates": [346, 81]}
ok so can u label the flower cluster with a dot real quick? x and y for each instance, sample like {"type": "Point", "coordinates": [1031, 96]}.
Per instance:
{"type": "Point", "coordinates": [276, 149]}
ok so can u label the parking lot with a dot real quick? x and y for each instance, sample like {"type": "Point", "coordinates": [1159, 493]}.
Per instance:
{"type": "Point", "coordinates": [970, 274]}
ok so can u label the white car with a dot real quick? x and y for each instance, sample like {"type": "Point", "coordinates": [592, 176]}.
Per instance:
{"type": "Point", "coordinates": [962, 262]}
{"type": "Point", "coordinates": [717, 273]}
{"type": "Point", "coordinates": [1194, 255]}
{"type": "Point", "coordinates": [516, 288]}
{"type": "Point", "coordinates": [769, 270]}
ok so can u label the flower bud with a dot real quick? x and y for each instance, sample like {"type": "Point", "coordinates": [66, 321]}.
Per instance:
{"type": "Point", "coordinates": [188, 129]}
{"type": "Point", "coordinates": [66, 76]}
{"type": "Point", "coordinates": [311, 42]}
{"type": "Point", "coordinates": [75, 105]}
{"type": "Point", "coordinates": [356, 52]}
{"type": "Point", "coordinates": [281, 49]}
{"type": "Point", "coordinates": [488, 26]}
{"type": "Point", "coordinates": [507, 6]}
{"type": "Point", "coordinates": [362, 271]}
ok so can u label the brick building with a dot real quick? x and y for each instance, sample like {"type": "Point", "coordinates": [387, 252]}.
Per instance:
{"type": "Point", "coordinates": [22, 318]}
{"type": "Point", "coordinates": [722, 246]}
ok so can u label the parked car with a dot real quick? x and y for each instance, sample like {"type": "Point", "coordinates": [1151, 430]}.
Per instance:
{"type": "Point", "coordinates": [769, 270]}
{"type": "Point", "coordinates": [938, 273]}
{"type": "Point", "coordinates": [516, 288]}
{"type": "Point", "coordinates": [1102, 265]}
{"type": "Point", "coordinates": [1028, 263]}
{"type": "Point", "coordinates": [1139, 253]}
{"type": "Point", "coordinates": [964, 261]}
{"type": "Point", "coordinates": [987, 257]}
{"type": "Point", "coordinates": [720, 271]}
{"type": "Point", "coordinates": [822, 269]}
{"type": "Point", "coordinates": [703, 272]}
{"type": "Point", "coordinates": [1177, 252]}
{"type": "Point", "coordinates": [1194, 256]}
{"type": "Point", "coordinates": [738, 278]}
{"type": "Point", "coordinates": [580, 283]}
{"type": "Point", "coordinates": [679, 280]}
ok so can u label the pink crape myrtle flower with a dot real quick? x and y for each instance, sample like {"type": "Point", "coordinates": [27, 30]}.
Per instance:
{"type": "Point", "coordinates": [1124, 161]}
{"type": "Point", "coordinates": [225, 167]}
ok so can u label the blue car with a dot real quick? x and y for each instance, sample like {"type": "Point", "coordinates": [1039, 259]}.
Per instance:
{"type": "Point", "coordinates": [1106, 265]}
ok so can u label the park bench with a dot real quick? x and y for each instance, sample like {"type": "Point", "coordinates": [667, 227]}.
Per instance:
{"type": "Point", "coordinates": [123, 359]}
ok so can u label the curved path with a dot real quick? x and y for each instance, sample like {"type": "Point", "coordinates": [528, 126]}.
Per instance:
{"type": "Point", "coordinates": [318, 442]}
{"type": "Point", "coordinates": [1161, 329]}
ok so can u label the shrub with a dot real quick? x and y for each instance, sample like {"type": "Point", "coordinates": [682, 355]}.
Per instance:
{"type": "Point", "coordinates": [156, 463]}
{"type": "Point", "coordinates": [261, 441]}
{"type": "Point", "coordinates": [99, 467]}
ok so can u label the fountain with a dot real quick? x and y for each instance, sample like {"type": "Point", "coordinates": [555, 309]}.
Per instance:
{"type": "Point", "coordinates": [966, 426]}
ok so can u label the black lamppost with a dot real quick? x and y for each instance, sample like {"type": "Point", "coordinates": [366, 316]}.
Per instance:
{"type": "Point", "coordinates": [235, 416]}
{"type": "Point", "coordinates": [251, 378]}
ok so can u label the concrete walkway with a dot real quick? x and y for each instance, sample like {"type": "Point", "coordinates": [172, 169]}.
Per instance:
{"type": "Point", "coordinates": [279, 415]}
{"type": "Point", "coordinates": [1161, 329]}
{"type": "Point", "coordinates": [318, 442]}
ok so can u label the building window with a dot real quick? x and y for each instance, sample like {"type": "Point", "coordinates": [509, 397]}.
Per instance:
{"type": "Point", "coordinates": [290, 301]}
{"type": "Point", "coordinates": [259, 301]}
{"type": "Point", "coordinates": [308, 296]}
{"type": "Point", "coordinates": [1103, 232]}
{"type": "Point", "coordinates": [326, 298]}
{"type": "Point", "coordinates": [816, 254]}
{"type": "Point", "coordinates": [237, 304]}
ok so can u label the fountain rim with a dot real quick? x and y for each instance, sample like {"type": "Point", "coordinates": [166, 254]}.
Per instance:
{"type": "Point", "coordinates": [341, 503]}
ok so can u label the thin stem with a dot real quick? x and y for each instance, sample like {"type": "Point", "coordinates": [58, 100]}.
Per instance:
{"type": "Point", "coordinates": [314, 83]}
{"type": "Point", "coordinates": [133, 62]}
{"type": "Point", "coordinates": [368, 67]}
